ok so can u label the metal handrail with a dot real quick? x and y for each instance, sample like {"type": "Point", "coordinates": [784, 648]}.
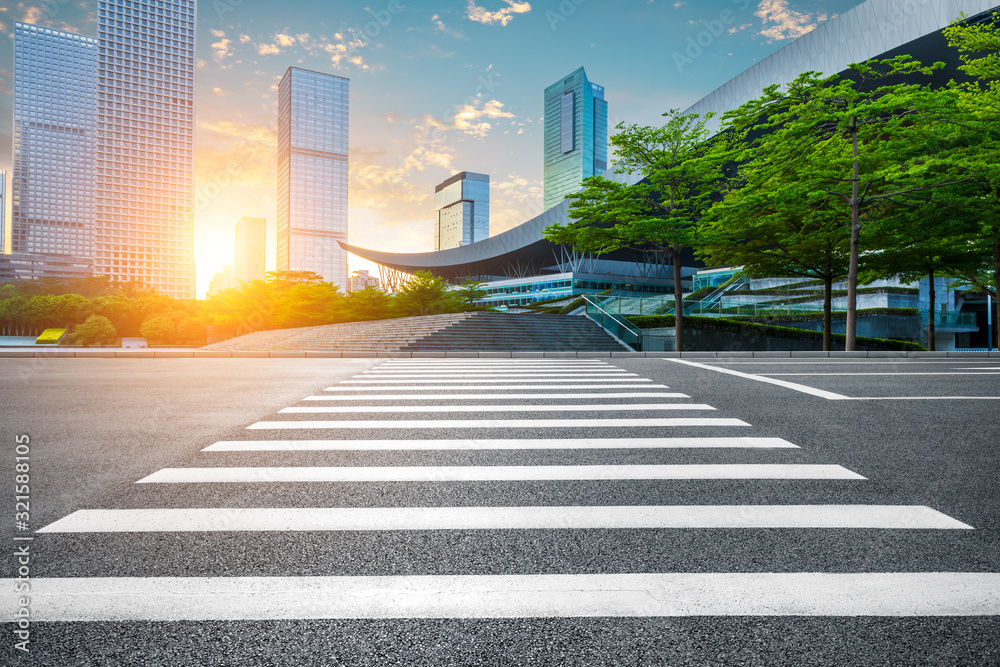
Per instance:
{"type": "Point", "coordinates": [632, 340]}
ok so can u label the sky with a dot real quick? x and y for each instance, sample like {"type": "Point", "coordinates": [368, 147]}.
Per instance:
{"type": "Point", "coordinates": [436, 88]}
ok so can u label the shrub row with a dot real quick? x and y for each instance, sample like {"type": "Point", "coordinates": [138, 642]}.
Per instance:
{"type": "Point", "coordinates": [754, 329]}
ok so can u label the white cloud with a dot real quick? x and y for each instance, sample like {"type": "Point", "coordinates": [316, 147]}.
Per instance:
{"type": "Point", "coordinates": [787, 23]}
{"type": "Point", "coordinates": [503, 16]}
{"type": "Point", "coordinates": [439, 26]}
{"type": "Point", "coordinates": [220, 49]}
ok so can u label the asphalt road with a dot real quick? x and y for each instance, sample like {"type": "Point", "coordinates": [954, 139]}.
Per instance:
{"type": "Point", "coordinates": [150, 579]}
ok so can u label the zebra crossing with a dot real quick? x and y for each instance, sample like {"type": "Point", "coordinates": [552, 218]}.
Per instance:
{"type": "Point", "coordinates": [491, 388]}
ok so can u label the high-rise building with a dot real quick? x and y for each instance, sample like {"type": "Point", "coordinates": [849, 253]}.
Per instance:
{"type": "Point", "coordinates": [224, 280]}
{"type": "Point", "coordinates": [312, 174]}
{"type": "Point", "coordinates": [143, 229]}
{"type": "Point", "coordinates": [576, 135]}
{"type": "Point", "coordinates": [461, 210]}
{"type": "Point", "coordinates": [250, 249]}
{"type": "Point", "coordinates": [360, 281]}
{"type": "Point", "coordinates": [55, 99]}
{"type": "Point", "coordinates": [3, 210]}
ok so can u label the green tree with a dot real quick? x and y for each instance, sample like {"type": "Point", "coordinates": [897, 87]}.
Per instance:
{"type": "Point", "coordinates": [427, 294]}
{"type": "Point", "coordinates": [863, 141]}
{"type": "Point", "coordinates": [96, 330]}
{"type": "Point", "coordinates": [679, 169]}
{"type": "Point", "coordinates": [788, 233]}
{"type": "Point", "coordinates": [471, 291]}
{"type": "Point", "coordinates": [370, 303]}
{"type": "Point", "coordinates": [979, 119]}
{"type": "Point", "coordinates": [159, 330]}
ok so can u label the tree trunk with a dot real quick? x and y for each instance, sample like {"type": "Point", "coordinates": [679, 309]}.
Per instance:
{"type": "Point", "coordinates": [827, 316]}
{"type": "Point", "coordinates": [996, 289]}
{"type": "Point", "coordinates": [852, 272]}
{"type": "Point", "coordinates": [931, 306]}
{"type": "Point", "coordinates": [678, 301]}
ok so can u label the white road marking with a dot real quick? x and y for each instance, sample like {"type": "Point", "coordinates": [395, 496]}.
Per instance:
{"type": "Point", "coordinates": [398, 409]}
{"type": "Point", "coordinates": [510, 596]}
{"type": "Point", "coordinates": [513, 378]}
{"type": "Point", "coordinates": [499, 423]}
{"type": "Point", "coordinates": [898, 361]}
{"type": "Point", "coordinates": [922, 398]}
{"type": "Point", "coordinates": [878, 373]}
{"type": "Point", "coordinates": [497, 473]}
{"type": "Point", "coordinates": [255, 519]}
{"type": "Point", "coordinates": [565, 443]}
{"type": "Point", "coordinates": [463, 397]}
{"type": "Point", "coordinates": [829, 395]}
{"type": "Point", "coordinates": [506, 387]}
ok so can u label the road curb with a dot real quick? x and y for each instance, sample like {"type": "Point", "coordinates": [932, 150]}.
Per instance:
{"type": "Point", "coordinates": [108, 353]}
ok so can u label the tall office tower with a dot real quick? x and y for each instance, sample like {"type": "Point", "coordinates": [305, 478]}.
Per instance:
{"type": "Point", "coordinates": [3, 210]}
{"type": "Point", "coordinates": [55, 99]}
{"type": "Point", "coordinates": [461, 210]}
{"type": "Point", "coordinates": [576, 135]}
{"type": "Point", "coordinates": [312, 174]}
{"type": "Point", "coordinates": [250, 249]}
{"type": "Point", "coordinates": [143, 228]}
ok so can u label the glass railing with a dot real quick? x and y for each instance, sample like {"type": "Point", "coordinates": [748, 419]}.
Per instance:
{"type": "Point", "coordinates": [951, 319]}
{"type": "Point", "coordinates": [614, 323]}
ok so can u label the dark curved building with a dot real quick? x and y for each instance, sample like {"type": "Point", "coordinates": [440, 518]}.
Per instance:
{"type": "Point", "coordinates": [521, 266]}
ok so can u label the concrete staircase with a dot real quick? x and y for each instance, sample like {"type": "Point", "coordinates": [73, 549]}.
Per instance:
{"type": "Point", "coordinates": [485, 332]}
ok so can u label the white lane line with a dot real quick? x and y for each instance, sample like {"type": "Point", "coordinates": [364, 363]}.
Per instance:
{"type": "Point", "coordinates": [499, 380]}
{"type": "Point", "coordinates": [461, 397]}
{"type": "Point", "coordinates": [923, 398]}
{"type": "Point", "coordinates": [498, 423]}
{"type": "Point", "coordinates": [498, 473]}
{"type": "Point", "coordinates": [503, 518]}
{"type": "Point", "coordinates": [899, 361]}
{"type": "Point", "coordinates": [540, 443]}
{"type": "Point", "coordinates": [886, 594]}
{"type": "Point", "coordinates": [878, 373]}
{"type": "Point", "coordinates": [533, 387]}
{"type": "Point", "coordinates": [398, 409]}
{"type": "Point", "coordinates": [760, 378]}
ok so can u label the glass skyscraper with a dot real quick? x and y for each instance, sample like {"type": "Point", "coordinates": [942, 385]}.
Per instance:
{"type": "Point", "coordinates": [576, 135]}
{"type": "Point", "coordinates": [312, 174]}
{"type": "Point", "coordinates": [54, 132]}
{"type": "Point", "coordinates": [250, 249]}
{"type": "Point", "coordinates": [143, 228]}
{"type": "Point", "coordinates": [461, 210]}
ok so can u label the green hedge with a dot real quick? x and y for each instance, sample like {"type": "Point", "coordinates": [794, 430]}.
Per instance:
{"type": "Point", "coordinates": [750, 328]}
{"type": "Point", "coordinates": [835, 315]}
{"type": "Point", "coordinates": [50, 337]}
{"type": "Point", "coordinates": [797, 294]}
{"type": "Point", "coordinates": [699, 294]}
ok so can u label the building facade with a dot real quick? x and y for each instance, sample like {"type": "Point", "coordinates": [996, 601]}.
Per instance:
{"type": "Point", "coordinates": [461, 210]}
{"type": "Point", "coordinates": [55, 100]}
{"type": "Point", "coordinates": [312, 174]}
{"type": "Point", "coordinates": [361, 280]}
{"type": "Point", "coordinates": [144, 225]}
{"type": "Point", "coordinates": [34, 265]}
{"type": "Point", "coordinates": [250, 249]}
{"type": "Point", "coordinates": [576, 135]}
{"type": "Point", "coordinates": [226, 279]}
{"type": "Point", "coordinates": [3, 210]}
